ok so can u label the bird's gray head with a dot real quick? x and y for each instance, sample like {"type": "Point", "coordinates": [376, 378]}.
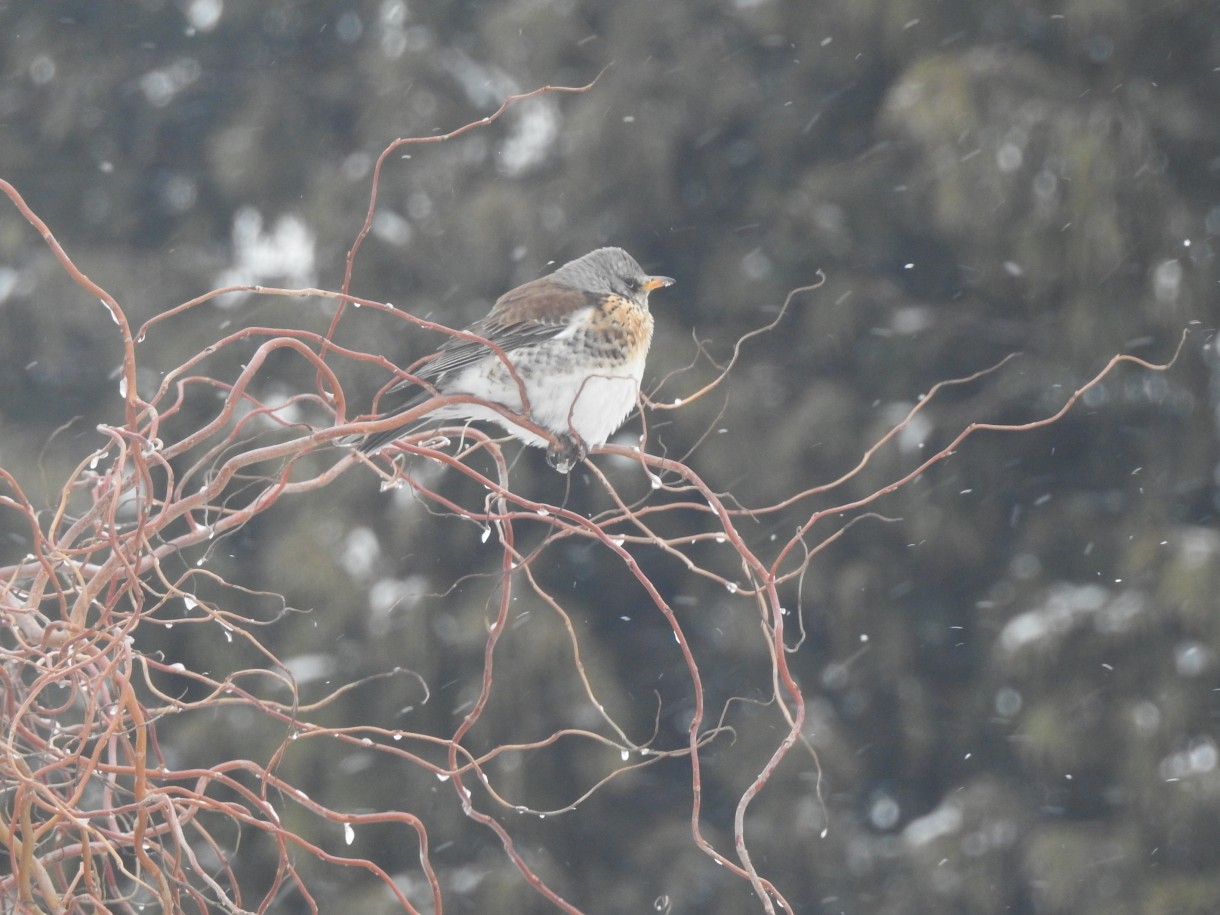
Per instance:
{"type": "Point", "coordinates": [610, 270]}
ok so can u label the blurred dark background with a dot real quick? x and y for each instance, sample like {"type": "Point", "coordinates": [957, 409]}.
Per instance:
{"type": "Point", "coordinates": [1013, 691]}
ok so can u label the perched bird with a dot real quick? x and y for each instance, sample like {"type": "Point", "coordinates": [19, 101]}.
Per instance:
{"type": "Point", "coordinates": [576, 340]}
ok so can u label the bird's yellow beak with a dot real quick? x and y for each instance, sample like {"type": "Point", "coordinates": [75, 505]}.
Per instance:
{"type": "Point", "coordinates": [656, 282]}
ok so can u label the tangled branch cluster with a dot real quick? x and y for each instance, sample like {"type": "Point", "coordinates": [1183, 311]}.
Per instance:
{"type": "Point", "coordinates": [97, 814]}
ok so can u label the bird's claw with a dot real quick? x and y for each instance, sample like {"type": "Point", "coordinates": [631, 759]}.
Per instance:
{"type": "Point", "coordinates": [566, 452]}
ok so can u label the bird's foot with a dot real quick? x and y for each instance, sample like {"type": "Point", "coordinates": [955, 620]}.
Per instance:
{"type": "Point", "coordinates": [567, 452]}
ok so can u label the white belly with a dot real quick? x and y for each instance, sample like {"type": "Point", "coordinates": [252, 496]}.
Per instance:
{"type": "Point", "coordinates": [591, 403]}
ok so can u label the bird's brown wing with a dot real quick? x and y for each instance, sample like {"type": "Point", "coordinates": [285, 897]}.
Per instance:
{"type": "Point", "coordinates": [541, 300]}
{"type": "Point", "coordinates": [532, 313]}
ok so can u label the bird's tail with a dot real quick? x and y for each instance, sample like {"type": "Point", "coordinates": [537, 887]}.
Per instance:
{"type": "Point", "coordinates": [371, 444]}
{"type": "Point", "coordinates": [375, 441]}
